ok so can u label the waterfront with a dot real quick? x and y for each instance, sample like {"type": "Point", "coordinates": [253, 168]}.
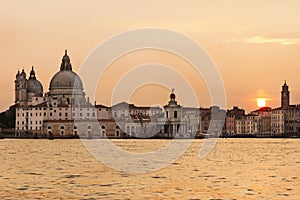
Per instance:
{"type": "Point", "coordinates": [235, 169]}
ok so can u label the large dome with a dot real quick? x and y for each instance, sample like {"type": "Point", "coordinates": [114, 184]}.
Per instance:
{"type": "Point", "coordinates": [66, 79]}
{"type": "Point", "coordinates": [66, 86]}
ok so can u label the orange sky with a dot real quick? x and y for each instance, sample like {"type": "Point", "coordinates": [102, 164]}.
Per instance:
{"type": "Point", "coordinates": [255, 44]}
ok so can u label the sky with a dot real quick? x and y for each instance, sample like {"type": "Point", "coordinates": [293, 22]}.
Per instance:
{"type": "Point", "coordinates": [255, 44]}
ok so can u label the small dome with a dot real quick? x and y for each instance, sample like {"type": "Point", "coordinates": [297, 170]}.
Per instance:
{"type": "Point", "coordinates": [34, 86]}
{"type": "Point", "coordinates": [66, 79]}
{"type": "Point", "coordinates": [172, 96]}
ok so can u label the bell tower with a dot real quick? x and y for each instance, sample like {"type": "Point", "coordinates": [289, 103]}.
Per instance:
{"type": "Point", "coordinates": [21, 88]}
{"type": "Point", "coordinates": [285, 96]}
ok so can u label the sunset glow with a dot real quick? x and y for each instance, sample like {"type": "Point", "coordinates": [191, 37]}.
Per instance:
{"type": "Point", "coordinates": [261, 102]}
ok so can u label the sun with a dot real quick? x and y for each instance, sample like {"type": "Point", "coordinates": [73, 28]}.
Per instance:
{"type": "Point", "coordinates": [261, 102]}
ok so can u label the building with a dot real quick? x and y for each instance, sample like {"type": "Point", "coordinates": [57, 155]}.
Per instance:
{"type": "Point", "coordinates": [64, 111]}
{"type": "Point", "coordinates": [285, 119]}
{"type": "Point", "coordinates": [232, 121]}
{"type": "Point", "coordinates": [263, 120]}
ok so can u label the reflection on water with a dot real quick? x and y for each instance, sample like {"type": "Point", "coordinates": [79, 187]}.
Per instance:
{"type": "Point", "coordinates": [235, 169]}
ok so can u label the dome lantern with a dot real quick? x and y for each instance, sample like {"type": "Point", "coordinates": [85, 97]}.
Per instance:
{"type": "Point", "coordinates": [65, 62]}
{"type": "Point", "coordinates": [32, 74]}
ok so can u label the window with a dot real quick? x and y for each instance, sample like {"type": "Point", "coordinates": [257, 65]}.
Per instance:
{"type": "Point", "coordinates": [175, 114]}
{"type": "Point", "coordinates": [102, 130]}
{"type": "Point", "coordinates": [117, 131]}
{"type": "Point", "coordinates": [62, 130]}
{"type": "Point", "coordinates": [89, 131]}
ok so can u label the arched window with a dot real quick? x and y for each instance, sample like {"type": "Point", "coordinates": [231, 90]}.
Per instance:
{"type": "Point", "coordinates": [62, 130]}
{"type": "Point", "coordinates": [49, 127]}
{"type": "Point", "coordinates": [117, 131]}
{"type": "Point", "coordinates": [103, 132]}
{"type": "Point", "coordinates": [75, 130]}
{"type": "Point", "coordinates": [89, 131]}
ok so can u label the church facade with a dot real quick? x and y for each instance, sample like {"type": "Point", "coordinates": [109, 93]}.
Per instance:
{"type": "Point", "coordinates": [65, 111]}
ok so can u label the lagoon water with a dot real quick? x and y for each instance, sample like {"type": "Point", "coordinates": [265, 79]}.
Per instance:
{"type": "Point", "coordinates": [235, 169]}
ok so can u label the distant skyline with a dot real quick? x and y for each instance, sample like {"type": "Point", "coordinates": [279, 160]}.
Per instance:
{"type": "Point", "coordinates": [254, 44]}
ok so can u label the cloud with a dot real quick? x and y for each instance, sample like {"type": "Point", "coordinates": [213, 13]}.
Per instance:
{"type": "Point", "coordinates": [230, 41]}
{"type": "Point", "coordinates": [262, 40]}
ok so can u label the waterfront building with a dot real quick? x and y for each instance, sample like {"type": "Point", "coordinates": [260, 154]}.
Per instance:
{"type": "Point", "coordinates": [173, 123]}
{"type": "Point", "coordinates": [233, 119]}
{"type": "Point", "coordinates": [285, 119]}
{"type": "Point", "coordinates": [247, 125]}
{"type": "Point", "coordinates": [263, 120]}
{"type": "Point", "coordinates": [64, 111]}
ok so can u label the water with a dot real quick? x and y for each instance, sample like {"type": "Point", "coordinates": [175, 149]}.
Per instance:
{"type": "Point", "coordinates": [235, 169]}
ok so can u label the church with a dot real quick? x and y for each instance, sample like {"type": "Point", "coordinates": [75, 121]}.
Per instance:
{"type": "Point", "coordinates": [65, 111]}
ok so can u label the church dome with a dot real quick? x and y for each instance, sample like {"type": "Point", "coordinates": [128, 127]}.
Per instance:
{"type": "Point", "coordinates": [66, 79]}
{"type": "Point", "coordinates": [33, 85]}
{"type": "Point", "coordinates": [66, 83]}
